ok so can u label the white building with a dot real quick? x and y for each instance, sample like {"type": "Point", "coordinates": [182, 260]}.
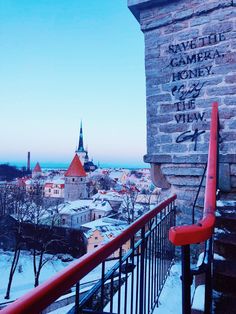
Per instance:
{"type": "Point", "coordinates": [54, 188]}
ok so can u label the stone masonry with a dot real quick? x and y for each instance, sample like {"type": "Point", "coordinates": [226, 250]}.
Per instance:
{"type": "Point", "coordinates": [190, 62]}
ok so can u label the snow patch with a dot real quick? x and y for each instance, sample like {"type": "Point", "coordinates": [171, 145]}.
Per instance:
{"type": "Point", "coordinates": [221, 231]}
{"type": "Point", "coordinates": [200, 259]}
{"type": "Point", "coordinates": [173, 288]}
{"type": "Point", "coordinates": [198, 298]}
{"type": "Point", "coordinates": [218, 257]}
{"type": "Point", "coordinates": [221, 203]}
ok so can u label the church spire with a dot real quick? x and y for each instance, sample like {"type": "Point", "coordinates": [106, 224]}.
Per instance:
{"type": "Point", "coordinates": [81, 141]}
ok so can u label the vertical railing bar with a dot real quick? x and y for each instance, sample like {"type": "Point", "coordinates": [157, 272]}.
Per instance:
{"type": "Point", "coordinates": [159, 258]}
{"type": "Point", "coordinates": [77, 299]}
{"type": "Point", "coordinates": [166, 239]}
{"type": "Point", "coordinates": [208, 278]}
{"type": "Point", "coordinates": [186, 280]}
{"type": "Point", "coordinates": [149, 268]}
{"type": "Point", "coordinates": [161, 252]}
{"type": "Point", "coordinates": [142, 272]}
{"type": "Point", "coordinates": [119, 290]}
{"type": "Point", "coordinates": [160, 255]}
{"type": "Point", "coordinates": [145, 273]}
{"type": "Point", "coordinates": [164, 244]}
{"type": "Point", "coordinates": [155, 261]}
{"type": "Point", "coordinates": [126, 286]}
{"type": "Point", "coordinates": [152, 256]}
{"type": "Point", "coordinates": [137, 280]}
{"type": "Point", "coordinates": [172, 224]}
{"type": "Point", "coordinates": [112, 292]}
{"type": "Point", "coordinates": [132, 277]}
{"type": "Point", "coordinates": [102, 287]}
{"type": "Point", "coordinates": [163, 247]}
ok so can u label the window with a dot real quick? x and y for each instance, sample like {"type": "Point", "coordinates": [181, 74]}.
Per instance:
{"type": "Point", "coordinates": [95, 245]}
{"type": "Point", "coordinates": [96, 238]}
{"type": "Point", "coordinates": [63, 221]}
{"type": "Point", "coordinates": [99, 216]}
{"type": "Point", "coordinates": [73, 179]}
{"type": "Point", "coordinates": [49, 190]}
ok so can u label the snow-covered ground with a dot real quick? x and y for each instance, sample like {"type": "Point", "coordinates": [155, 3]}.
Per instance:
{"type": "Point", "coordinates": [169, 301]}
{"type": "Point", "coordinates": [23, 280]}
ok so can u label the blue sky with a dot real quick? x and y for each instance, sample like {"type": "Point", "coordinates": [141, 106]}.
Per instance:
{"type": "Point", "coordinates": [66, 60]}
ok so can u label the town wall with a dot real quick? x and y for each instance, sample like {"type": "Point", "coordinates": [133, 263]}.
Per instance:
{"type": "Point", "coordinates": [190, 62]}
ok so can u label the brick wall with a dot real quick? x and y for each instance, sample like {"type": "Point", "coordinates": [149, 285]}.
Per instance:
{"type": "Point", "coordinates": [190, 61]}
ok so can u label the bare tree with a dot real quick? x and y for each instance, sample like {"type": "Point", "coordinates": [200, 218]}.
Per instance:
{"type": "Point", "coordinates": [43, 238]}
{"type": "Point", "coordinates": [129, 201]}
{"type": "Point", "coordinates": [150, 197]}
{"type": "Point", "coordinates": [22, 212]}
{"type": "Point", "coordinates": [6, 198]}
{"type": "Point", "coordinates": [43, 241]}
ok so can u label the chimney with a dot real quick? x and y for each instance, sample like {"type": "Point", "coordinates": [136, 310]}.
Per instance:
{"type": "Point", "coordinates": [28, 162]}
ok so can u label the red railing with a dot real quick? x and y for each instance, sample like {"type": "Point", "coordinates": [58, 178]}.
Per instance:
{"type": "Point", "coordinates": [202, 231]}
{"type": "Point", "coordinates": [45, 294]}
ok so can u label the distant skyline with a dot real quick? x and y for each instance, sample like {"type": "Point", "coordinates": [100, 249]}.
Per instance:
{"type": "Point", "coordinates": [65, 61]}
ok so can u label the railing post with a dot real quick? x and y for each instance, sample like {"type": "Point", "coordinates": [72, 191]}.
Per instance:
{"type": "Point", "coordinates": [208, 279]}
{"type": "Point", "coordinates": [186, 280]}
{"type": "Point", "coordinates": [142, 272]}
{"type": "Point", "coordinates": [77, 291]}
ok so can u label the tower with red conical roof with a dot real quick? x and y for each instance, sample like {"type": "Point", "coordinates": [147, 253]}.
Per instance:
{"type": "Point", "coordinates": [75, 181]}
{"type": "Point", "coordinates": [37, 171]}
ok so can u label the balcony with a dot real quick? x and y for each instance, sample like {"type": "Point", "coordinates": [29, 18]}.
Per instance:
{"type": "Point", "coordinates": [135, 265]}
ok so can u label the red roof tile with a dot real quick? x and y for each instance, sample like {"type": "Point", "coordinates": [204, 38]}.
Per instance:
{"type": "Point", "coordinates": [76, 169]}
{"type": "Point", "coordinates": [37, 168]}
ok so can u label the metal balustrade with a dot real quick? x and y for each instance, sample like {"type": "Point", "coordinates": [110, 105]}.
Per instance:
{"type": "Point", "coordinates": [133, 268]}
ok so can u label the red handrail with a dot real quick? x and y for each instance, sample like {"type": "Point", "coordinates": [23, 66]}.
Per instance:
{"type": "Point", "coordinates": [43, 295]}
{"type": "Point", "coordinates": [200, 232]}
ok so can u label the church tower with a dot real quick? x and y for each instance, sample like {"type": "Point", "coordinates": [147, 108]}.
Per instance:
{"type": "Point", "coordinates": [75, 181]}
{"type": "Point", "coordinates": [37, 171]}
{"type": "Point", "coordinates": [81, 152]}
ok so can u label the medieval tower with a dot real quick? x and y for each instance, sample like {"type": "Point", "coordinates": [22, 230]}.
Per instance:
{"type": "Point", "coordinates": [75, 181]}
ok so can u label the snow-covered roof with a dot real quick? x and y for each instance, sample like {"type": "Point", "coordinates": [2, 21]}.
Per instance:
{"type": "Point", "coordinates": [35, 181]}
{"type": "Point", "coordinates": [101, 205]}
{"type": "Point", "coordinates": [75, 206]}
{"type": "Point", "coordinates": [103, 222]}
{"type": "Point", "coordinates": [108, 195]}
{"type": "Point", "coordinates": [57, 181]}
